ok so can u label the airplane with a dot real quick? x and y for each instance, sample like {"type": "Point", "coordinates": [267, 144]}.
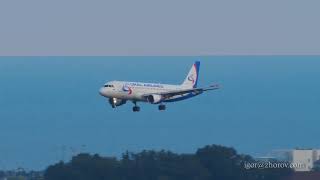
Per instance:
{"type": "Point", "coordinates": [119, 92]}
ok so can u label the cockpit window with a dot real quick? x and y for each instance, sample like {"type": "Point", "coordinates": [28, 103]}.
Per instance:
{"type": "Point", "coordinates": [108, 85]}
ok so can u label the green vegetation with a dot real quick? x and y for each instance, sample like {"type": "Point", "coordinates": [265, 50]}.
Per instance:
{"type": "Point", "coordinates": [209, 163]}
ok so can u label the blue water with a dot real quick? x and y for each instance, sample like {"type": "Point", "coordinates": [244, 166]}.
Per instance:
{"type": "Point", "coordinates": [50, 107]}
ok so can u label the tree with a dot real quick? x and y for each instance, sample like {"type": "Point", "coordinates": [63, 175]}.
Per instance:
{"type": "Point", "coordinates": [212, 162]}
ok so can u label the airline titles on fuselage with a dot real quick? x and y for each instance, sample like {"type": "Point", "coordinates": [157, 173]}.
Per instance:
{"type": "Point", "coordinates": [135, 84]}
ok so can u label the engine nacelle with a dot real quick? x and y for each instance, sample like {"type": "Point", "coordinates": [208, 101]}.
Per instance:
{"type": "Point", "coordinates": [116, 102]}
{"type": "Point", "coordinates": [154, 98]}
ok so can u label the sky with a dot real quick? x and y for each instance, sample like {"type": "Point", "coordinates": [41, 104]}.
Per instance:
{"type": "Point", "coordinates": [51, 108]}
{"type": "Point", "coordinates": [166, 27]}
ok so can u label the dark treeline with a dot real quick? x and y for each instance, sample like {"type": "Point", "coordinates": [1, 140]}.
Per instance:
{"type": "Point", "coordinates": [209, 163]}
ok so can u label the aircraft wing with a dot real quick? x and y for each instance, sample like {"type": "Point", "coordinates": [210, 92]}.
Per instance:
{"type": "Point", "coordinates": [169, 94]}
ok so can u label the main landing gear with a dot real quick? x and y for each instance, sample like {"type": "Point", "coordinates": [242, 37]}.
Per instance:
{"type": "Point", "coordinates": [162, 107]}
{"type": "Point", "coordinates": [135, 107]}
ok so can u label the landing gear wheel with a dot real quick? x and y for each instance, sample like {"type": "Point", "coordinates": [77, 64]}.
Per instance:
{"type": "Point", "coordinates": [136, 109]}
{"type": "Point", "coordinates": [162, 107]}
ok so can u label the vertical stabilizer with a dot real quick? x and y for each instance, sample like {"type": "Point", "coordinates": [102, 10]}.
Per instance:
{"type": "Point", "coordinates": [192, 77]}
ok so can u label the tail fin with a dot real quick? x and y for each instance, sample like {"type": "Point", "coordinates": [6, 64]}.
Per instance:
{"type": "Point", "coordinates": [191, 80]}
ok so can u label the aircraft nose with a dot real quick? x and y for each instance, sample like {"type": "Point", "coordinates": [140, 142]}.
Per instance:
{"type": "Point", "coordinates": [102, 91]}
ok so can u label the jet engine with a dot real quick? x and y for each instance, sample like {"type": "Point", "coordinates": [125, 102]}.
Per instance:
{"type": "Point", "coordinates": [154, 98]}
{"type": "Point", "coordinates": [116, 102]}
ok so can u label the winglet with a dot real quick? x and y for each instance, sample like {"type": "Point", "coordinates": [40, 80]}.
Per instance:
{"type": "Point", "coordinates": [215, 86]}
{"type": "Point", "coordinates": [212, 87]}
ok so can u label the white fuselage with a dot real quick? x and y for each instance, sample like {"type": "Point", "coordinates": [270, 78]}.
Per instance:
{"type": "Point", "coordinates": [134, 91]}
